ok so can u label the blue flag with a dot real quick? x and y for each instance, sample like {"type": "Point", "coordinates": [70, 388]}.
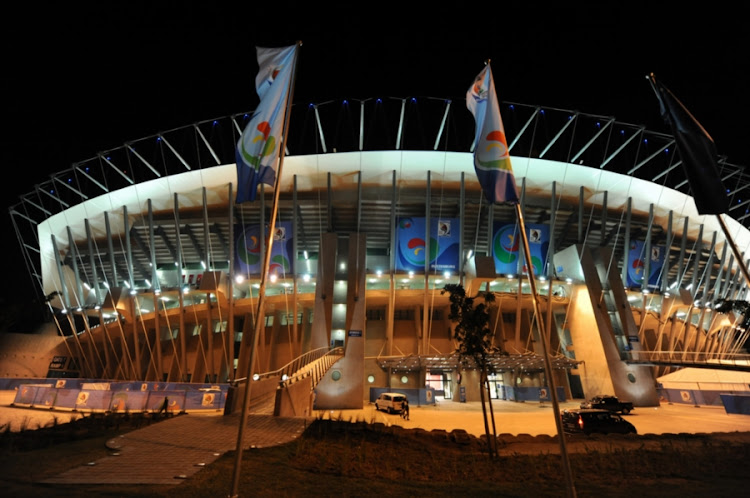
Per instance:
{"type": "Point", "coordinates": [697, 152]}
{"type": "Point", "coordinates": [491, 154]}
{"type": "Point", "coordinates": [259, 147]}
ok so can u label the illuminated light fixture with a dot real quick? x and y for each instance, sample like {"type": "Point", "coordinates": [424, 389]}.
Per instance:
{"type": "Point", "coordinates": [203, 264]}
{"type": "Point", "coordinates": [307, 256]}
{"type": "Point", "coordinates": [176, 263]}
{"type": "Point", "coordinates": [342, 266]}
{"type": "Point", "coordinates": [542, 278]}
{"type": "Point", "coordinates": [646, 292]}
{"type": "Point", "coordinates": [568, 280]}
{"type": "Point", "coordinates": [256, 376]}
{"type": "Point", "coordinates": [411, 274]}
{"type": "Point", "coordinates": [379, 273]}
{"type": "Point", "coordinates": [447, 274]}
{"type": "Point", "coordinates": [284, 377]}
{"type": "Point", "coordinates": [274, 277]}
{"type": "Point", "coordinates": [470, 253]}
{"type": "Point", "coordinates": [133, 292]}
{"type": "Point", "coordinates": [510, 276]}
{"type": "Point", "coordinates": [239, 279]}
{"type": "Point", "coordinates": [493, 283]}
{"type": "Point", "coordinates": [306, 277]}
{"type": "Point", "coordinates": [185, 289]}
{"type": "Point", "coordinates": [148, 283]}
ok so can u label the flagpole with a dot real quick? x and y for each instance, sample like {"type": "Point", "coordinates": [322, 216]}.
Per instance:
{"type": "Point", "coordinates": [547, 364]}
{"type": "Point", "coordinates": [260, 317]}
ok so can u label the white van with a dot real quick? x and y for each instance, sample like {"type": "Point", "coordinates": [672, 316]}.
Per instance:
{"type": "Point", "coordinates": [390, 402]}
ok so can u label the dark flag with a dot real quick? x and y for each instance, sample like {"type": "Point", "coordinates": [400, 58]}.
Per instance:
{"type": "Point", "coordinates": [697, 151]}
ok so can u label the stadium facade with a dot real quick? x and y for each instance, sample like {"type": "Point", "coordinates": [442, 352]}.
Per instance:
{"type": "Point", "coordinates": [152, 271]}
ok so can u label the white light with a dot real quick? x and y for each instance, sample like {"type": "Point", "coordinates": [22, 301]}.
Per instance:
{"type": "Point", "coordinates": [411, 274]}
{"type": "Point", "coordinates": [470, 253]}
{"type": "Point", "coordinates": [343, 266]}
{"type": "Point", "coordinates": [447, 274]}
{"type": "Point", "coordinates": [274, 277]}
{"type": "Point", "coordinates": [568, 280]}
{"type": "Point", "coordinates": [256, 376]}
{"type": "Point", "coordinates": [239, 279]}
{"type": "Point", "coordinates": [307, 256]}
{"type": "Point", "coordinates": [306, 277]}
{"type": "Point", "coordinates": [203, 264]}
{"type": "Point", "coordinates": [379, 273]}
{"type": "Point", "coordinates": [284, 377]}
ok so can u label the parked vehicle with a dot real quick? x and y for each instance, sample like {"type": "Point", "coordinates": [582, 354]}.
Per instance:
{"type": "Point", "coordinates": [588, 421]}
{"type": "Point", "coordinates": [390, 402]}
{"type": "Point", "coordinates": [608, 402]}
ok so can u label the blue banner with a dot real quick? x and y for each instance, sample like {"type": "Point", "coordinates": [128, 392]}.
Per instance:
{"type": "Point", "coordinates": [249, 257]}
{"type": "Point", "coordinates": [637, 264]}
{"type": "Point", "coordinates": [442, 251]}
{"type": "Point", "coordinates": [506, 243]}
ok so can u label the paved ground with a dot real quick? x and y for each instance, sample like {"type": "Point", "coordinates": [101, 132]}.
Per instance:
{"type": "Point", "coordinates": [175, 449]}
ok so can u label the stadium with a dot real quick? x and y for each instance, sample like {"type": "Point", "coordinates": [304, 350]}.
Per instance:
{"type": "Point", "coordinates": [153, 273]}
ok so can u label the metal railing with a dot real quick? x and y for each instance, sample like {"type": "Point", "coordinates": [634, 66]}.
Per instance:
{"type": "Point", "coordinates": [726, 361]}
{"type": "Point", "coordinates": [315, 363]}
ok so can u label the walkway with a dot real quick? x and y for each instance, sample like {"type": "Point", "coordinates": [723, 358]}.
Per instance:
{"type": "Point", "coordinates": [175, 449]}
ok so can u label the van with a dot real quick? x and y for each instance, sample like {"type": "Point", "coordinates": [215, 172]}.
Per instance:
{"type": "Point", "coordinates": [390, 402]}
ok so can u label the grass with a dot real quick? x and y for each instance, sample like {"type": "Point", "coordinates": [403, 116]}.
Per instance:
{"type": "Point", "coordinates": [343, 459]}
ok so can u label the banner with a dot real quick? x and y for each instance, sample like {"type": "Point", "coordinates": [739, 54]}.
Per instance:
{"type": "Point", "coordinates": [247, 249]}
{"type": "Point", "coordinates": [442, 251]}
{"type": "Point", "coordinates": [506, 242]}
{"type": "Point", "coordinates": [637, 264]}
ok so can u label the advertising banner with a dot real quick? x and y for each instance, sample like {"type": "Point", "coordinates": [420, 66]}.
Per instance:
{"type": "Point", "coordinates": [506, 244]}
{"type": "Point", "coordinates": [637, 264]}
{"type": "Point", "coordinates": [248, 246]}
{"type": "Point", "coordinates": [441, 251]}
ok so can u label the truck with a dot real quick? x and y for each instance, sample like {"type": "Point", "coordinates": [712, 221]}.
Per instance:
{"type": "Point", "coordinates": [609, 402]}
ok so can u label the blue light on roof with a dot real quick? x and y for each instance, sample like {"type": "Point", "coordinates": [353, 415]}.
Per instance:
{"type": "Point", "coordinates": [215, 122]}
{"type": "Point", "coordinates": [379, 101]}
{"type": "Point", "coordinates": [542, 111]}
{"type": "Point", "coordinates": [345, 102]}
{"type": "Point", "coordinates": [512, 107]}
{"type": "Point", "coordinates": [310, 105]}
{"type": "Point", "coordinates": [414, 100]}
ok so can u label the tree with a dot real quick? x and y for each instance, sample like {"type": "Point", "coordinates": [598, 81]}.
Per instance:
{"type": "Point", "coordinates": [474, 337]}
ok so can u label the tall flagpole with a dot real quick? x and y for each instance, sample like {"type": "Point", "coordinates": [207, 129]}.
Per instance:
{"type": "Point", "coordinates": [547, 365]}
{"type": "Point", "coordinates": [259, 319]}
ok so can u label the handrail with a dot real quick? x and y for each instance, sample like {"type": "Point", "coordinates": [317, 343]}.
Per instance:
{"type": "Point", "coordinates": [296, 367]}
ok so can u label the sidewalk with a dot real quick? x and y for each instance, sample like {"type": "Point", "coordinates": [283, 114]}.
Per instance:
{"type": "Point", "coordinates": [177, 448]}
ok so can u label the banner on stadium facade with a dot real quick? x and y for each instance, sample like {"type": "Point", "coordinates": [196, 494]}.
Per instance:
{"type": "Point", "coordinates": [442, 251]}
{"type": "Point", "coordinates": [637, 264]}
{"type": "Point", "coordinates": [248, 250]}
{"type": "Point", "coordinates": [506, 243]}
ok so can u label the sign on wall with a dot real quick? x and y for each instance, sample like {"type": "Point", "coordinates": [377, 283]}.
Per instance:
{"type": "Point", "coordinates": [637, 264]}
{"type": "Point", "coordinates": [248, 250]}
{"type": "Point", "coordinates": [506, 244]}
{"type": "Point", "coordinates": [441, 251]}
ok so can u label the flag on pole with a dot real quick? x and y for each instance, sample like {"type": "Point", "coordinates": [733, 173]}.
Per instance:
{"type": "Point", "coordinates": [258, 148]}
{"type": "Point", "coordinates": [697, 152]}
{"type": "Point", "coordinates": [491, 154]}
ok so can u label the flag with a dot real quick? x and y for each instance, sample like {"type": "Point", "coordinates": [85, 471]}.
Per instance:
{"type": "Point", "coordinates": [697, 152]}
{"type": "Point", "coordinates": [491, 154]}
{"type": "Point", "coordinates": [258, 148]}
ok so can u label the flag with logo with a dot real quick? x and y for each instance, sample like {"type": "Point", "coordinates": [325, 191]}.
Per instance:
{"type": "Point", "coordinates": [697, 152]}
{"type": "Point", "coordinates": [491, 154]}
{"type": "Point", "coordinates": [259, 147]}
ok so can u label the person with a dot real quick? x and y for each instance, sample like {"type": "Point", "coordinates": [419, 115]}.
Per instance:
{"type": "Point", "coordinates": [164, 406]}
{"type": "Point", "coordinates": [405, 409]}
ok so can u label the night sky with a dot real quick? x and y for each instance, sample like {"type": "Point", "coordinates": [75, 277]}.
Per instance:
{"type": "Point", "coordinates": [78, 80]}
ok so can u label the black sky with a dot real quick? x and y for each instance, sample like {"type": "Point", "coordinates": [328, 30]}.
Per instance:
{"type": "Point", "coordinates": [77, 79]}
